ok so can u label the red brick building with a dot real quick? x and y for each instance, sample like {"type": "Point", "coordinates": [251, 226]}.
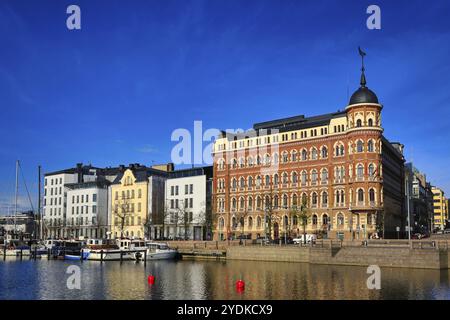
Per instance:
{"type": "Point", "coordinates": [339, 166]}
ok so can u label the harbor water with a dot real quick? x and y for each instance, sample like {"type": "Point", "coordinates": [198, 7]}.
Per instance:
{"type": "Point", "coordinates": [47, 279]}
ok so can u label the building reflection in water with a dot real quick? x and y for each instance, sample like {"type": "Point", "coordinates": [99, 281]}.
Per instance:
{"type": "Point", "coordinates": [215, 280]}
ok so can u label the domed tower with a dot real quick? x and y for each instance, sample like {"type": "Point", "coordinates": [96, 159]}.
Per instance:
{"type": "Point", "coordinates": [364, 110]}
{"type": "Point", "coordinates": [364, 135]}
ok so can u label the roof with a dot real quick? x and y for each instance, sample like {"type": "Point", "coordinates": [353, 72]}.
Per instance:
{"type": "Point", "coordinates": [287, 124]}
{"type": "Point", "coordinates": [190, 172]}
{"type": "Point", "coordinates": [141, 173]}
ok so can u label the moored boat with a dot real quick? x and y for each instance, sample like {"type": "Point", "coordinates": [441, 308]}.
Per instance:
{"type": "Point", "coordinates": [159, 251]}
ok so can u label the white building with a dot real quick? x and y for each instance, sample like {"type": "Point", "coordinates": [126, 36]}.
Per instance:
{"type": "Point", "coordinates": [188, 204]}
{"type": "Point", "coordinates": [55, 195]}
{"type": "Point", "coordinates": [87, 209]}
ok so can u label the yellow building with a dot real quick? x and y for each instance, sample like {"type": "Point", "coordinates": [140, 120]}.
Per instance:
{"type": "Point", "coordinates": [136, 202]}
{"type": "Point", "coordinates": [440, 209]}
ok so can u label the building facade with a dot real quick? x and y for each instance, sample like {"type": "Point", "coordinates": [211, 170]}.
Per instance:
{"type": "Point", "coordinates": [188, 204]}
{"type": "Point", "coordinates": [137, 202]}
{"type": "Point", "coordinates": [338, 167]}
{"type": "Point", "coordinates": [439, 208]}
{"type": "Point", "coordinates": [87, 209]}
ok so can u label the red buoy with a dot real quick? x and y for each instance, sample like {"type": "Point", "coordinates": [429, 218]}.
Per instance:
{"type": "Point", "coordinates": [240, 285]}
{"type": "Point", "coordinates": [151, 279]}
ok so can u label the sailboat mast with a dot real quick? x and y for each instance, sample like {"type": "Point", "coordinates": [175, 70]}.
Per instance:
{"type": "Point", "coordinates": [39, 203]}
{"type": "Point", "coordinates": [17, 192]}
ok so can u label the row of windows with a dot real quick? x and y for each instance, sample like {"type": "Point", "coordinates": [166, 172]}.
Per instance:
{"type": "Point", "coordinates": [128, 221]}
{"type": "Point", "coordinates": [127, 207]}
{"type": "Point", "coordinates": [83, 198]}
{"type": "Point", "coordinates": [53, 222]}
{"type": "Point", "coordinates": [188, 203]}
{"type": "Point", "coordinates": [286, 202]}
{"type": "Point", "coordinates": [129, 194]}
{"type": "Point", "coordinates": [83, 209]}
{"type": "Point", "coordinates": [312, 220]}
{"type": "Point", "coordinates": [53, 201]}
{"type": "Point", "coordinates": [53, 181]}
{"type": "Point", "coordinates": [54, 191]}
{"type": "Point", "coordinates": [293, 177]}
{"type": "Point", "coordinates": [294, 156]}
{"type": "Point", "coordinates": [188, 189]}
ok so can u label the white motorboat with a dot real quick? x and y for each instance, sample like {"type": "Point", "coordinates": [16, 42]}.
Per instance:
{"type": "Point", "coordinates": [158, 251]}
{"type": "Point", "coordinates": [104, 250]}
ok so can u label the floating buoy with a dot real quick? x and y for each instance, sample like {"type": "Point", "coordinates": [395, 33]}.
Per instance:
{"type": "Point", "coordinates": [151, 279]}
{"type": "Point", "coordinates": [240, 285]}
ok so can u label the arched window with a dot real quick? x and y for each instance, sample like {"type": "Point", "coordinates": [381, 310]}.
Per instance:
{"type": "Point", "coordinates": [242, 182]}
{"type": "Point", "coordinates": [324, 152]}
{"type": "Point", "coordinates": [250, 181]}
{"type": "Point", "coordinates": [370, 146]}
{"type": "Point", "coordinates": [285, 201]}
{"type": "Point", "coordinates": [360, 171]}
{"type": "Point", "coordinates": [314, 154]}
{"type": "Point", "coordinates": [314, 176]}
{"type": "Point", "coordinates": [267, 180]}
{"type": "Point", "coordinates": [304, 155]}
{"type": "Point", "coordinates": [370, 123]}
{"type": "Point", "coordinates": [360, 195]}
{"type": "Point", "coordinates": [325, 219]}
{"type": "Point", "coordinates": [285, 157]}
{"type": "Point", "coordinates": [258, 181]}
{"type": "Point", "coordinates": [267, 202]}
{"type": "Point", "coordinates": [304, 199]}
{"type": "Point", "coordinates": [294, 200]}
{"type": "Point", "coordinates": [241, 222]}
{"type": "Point", "coordinates": [258, 222]}
{"type": "Point", "coordinates": [324, 177]}
{"type": "Point", "coordinates": [314, 219]}
{"type": "Point", "coordinates": [234, 183]}
{"type": "Point", "coordinates": [294, 177]}
{"type": "Point", "coordinates": [372, 195]}
{"type": "Point", "coordinates": [233, 223]}
{"type": "Point", "coordinates": [258, 202]}
{"type": "Point", "coordinates": [267, 159]}
{"type": "Point", "coordinates": [304, 177]}
{"type": "Point", "coordinates": [294, 220]}
{"type": "Point", "coordinates": [285, 177]}
{"type": "Point", "coordinates": [359, 146]}
{"type": "Point", "coordinates": [371, 170]}
{"type": "Point", "coordinates": [275, 201]}
{"type": "Point", "coordinates": [250, 222]}
{"type": "Point", "coordinates": [314, 199]}
{"type": "Point", "coordinates": [369, 219]}
{"type": "Point", "coordinates": [294, 155]}
{"type": "Point", "coordinates": [325, 198]}
{"type": "Point", "coordinates": [359, 123]}
{"type": "Point", "coordinates": [340, 219]}
{"type": "Point", "coordinates": [286, 222]}
{"type": "Point", "coordinates": [242, 203]}
{"type": "Point", "coordinates": [275, 179]}
{"type": "Point", "coordinates": [250, 202]}
{"type": "Point", "coordinates": [250, 161]}
{"type": "Point", "coordinates": [221, 223]}
{"type": "Point", "coordinates": [241, 162]}
{"type": "Point", "coordinates": [233, 203]}
{"type": "Point", "coordinates": [275, 158]}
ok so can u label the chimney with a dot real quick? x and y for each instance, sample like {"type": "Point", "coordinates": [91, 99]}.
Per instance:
{"type": "Point", "coordinates": [79, 172]}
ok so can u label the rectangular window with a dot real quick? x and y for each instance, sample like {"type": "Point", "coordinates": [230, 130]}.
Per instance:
{"type": "Point", "coordinates": [186, 191]}
{"type": "Point", "coordinates": [94, 209]}
{"type": "Point", "coordinates": [139, 207]}
{"type": "Point", "coordinates": [191, 202]}
{"type": "Point", "coordinates": [139, 193]}
{"type": "Point", "coordinates": [87, 198]}
{"type": "Point", "coordinates": [176, 190]}
{"type": "Point", "coordinates": [94, 197]}
{"type": "Point", "coordinates": [171, 204]}
{"type": "Point", "coordinates": [191, 189]}
{"type": "Point", "coordinates": [172, 188]}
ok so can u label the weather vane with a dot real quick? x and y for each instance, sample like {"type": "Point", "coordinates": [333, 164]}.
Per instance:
{"type": "Point", "coordinates": [363, 77]}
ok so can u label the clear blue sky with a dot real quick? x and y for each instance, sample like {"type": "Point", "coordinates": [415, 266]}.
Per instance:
{"type": "Point", "coordinates": [113, 92]}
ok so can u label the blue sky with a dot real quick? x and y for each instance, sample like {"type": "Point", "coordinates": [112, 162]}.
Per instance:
{"type": "Point", "coordinates": [113, 92]}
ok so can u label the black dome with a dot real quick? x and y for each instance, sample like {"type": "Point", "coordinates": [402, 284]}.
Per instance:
{"type": "Point", "coordinates": [363, 95]}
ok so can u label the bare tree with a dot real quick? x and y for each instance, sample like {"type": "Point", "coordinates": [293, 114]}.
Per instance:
{"type": "Point", "coordinates": [121, 213]}
{"type": "Point", "coordinates": [303, 215]}
{"type": "Point", "coordinates": [240, 216]}
{"type": "Point", "coordinates": [182, 216]}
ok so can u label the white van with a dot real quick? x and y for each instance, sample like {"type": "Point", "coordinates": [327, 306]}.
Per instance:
{"type": "Point", "coordinates": [309, 238]}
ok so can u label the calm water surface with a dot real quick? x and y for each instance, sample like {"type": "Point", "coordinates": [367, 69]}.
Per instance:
{"type": "Point", "coordinates": [45, 279]}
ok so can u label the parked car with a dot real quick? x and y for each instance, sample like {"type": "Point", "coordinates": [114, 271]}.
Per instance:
{"type": "Point", "coordinates": [309, 238]}
{"type": "Point", "coordinates": [446, 231]}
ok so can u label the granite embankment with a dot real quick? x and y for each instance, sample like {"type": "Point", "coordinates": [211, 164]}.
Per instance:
{"type": "Point", "coordinates": [385, 253]}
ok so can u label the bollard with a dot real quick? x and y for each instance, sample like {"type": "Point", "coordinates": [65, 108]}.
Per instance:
{"type": "Point", "coordinates": [48, 253]}
{"type": "Point", "coordinates": [101, 256]}
{"type": "Point", "coordinates": [151, 279]}
{"type": "Point", "coordinates": [145, 258]}
{"type": "Point", "coordinates": [21, 254]}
